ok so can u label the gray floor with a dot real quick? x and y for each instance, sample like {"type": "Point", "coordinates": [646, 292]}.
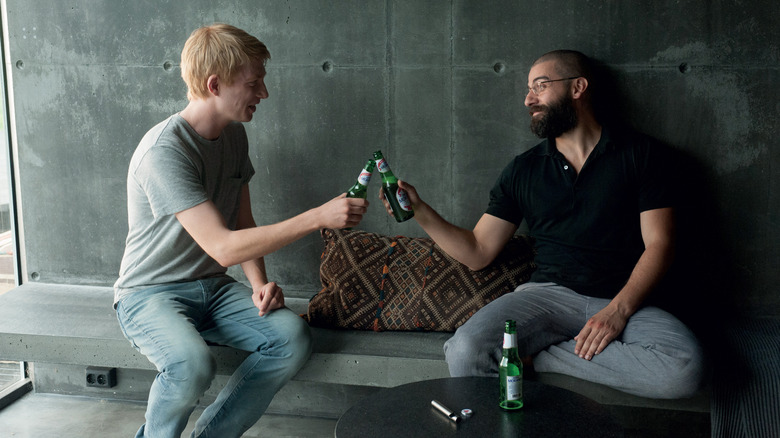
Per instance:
{"type": "Point", "coordinates": [47, 415]}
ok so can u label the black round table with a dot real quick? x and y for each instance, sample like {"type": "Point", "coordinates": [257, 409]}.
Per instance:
{"type": "Point", "coordinates": [406, 411]}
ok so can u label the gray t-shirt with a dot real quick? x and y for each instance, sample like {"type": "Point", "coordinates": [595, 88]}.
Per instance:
{"type": "Point", "coordinates": [174, 169]}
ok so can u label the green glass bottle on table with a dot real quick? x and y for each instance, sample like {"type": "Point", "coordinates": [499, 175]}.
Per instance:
{"type": "Point", "coordinates": [397, 197]}
{"type": "Point", "coordinates": [359, 190]}
{"type": "Point", "coordinates": [510, 371]}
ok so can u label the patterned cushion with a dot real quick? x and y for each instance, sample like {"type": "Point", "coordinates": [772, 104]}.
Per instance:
{"type": "Point", "coordinates": [376, 282]}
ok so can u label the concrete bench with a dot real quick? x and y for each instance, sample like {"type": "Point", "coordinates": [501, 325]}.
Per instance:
{"type": "Point", "coordinates": [62, 329]}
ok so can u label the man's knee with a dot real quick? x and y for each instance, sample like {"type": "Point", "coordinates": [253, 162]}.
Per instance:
{"type": "Point", "coordinates": [465, 356]}
{"type": "Point", "coordinates": [300, 340]}
{"type": "Point", "coordinates": [191, 370]}
{"type": "Point", "coordinates": [680, 378]}
{"type": "Point", "coordinates": [685, 381]}
{"type": "Point", "coordinates": [295, 340]}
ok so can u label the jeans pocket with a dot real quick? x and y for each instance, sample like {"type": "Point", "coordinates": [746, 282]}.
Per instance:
{"type": "Point", "coordinates": [123, 318]}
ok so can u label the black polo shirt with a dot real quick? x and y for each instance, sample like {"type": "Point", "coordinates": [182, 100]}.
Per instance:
{"type": "Point", "coordinates": [586, 226]}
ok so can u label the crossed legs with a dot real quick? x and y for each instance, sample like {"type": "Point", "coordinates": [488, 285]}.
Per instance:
{"type": "Point", "coordinates": [656, 356]}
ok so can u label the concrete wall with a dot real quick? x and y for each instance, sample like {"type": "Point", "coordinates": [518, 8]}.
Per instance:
{"type": "Point", "coordinates": [437, 85]}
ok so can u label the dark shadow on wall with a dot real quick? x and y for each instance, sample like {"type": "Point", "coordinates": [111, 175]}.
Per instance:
{"type": "Point", "coordinates": [607, 99]}
{"type": "Point", "coordinates": [699, 289]}
{"type": "Point", "coordinates": [703, 289]}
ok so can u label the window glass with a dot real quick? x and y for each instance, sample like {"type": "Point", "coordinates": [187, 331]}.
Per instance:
{"type": "Point", "coordinates": [10, 372]}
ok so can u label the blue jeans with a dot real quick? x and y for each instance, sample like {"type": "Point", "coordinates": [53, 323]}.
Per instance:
{"type": "Point", "coordinates": [655, 356]}
{"type": "Point", "coordinates": [171, 324]}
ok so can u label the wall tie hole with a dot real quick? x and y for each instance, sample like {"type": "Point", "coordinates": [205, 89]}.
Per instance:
{"type": "Point", "coordinates": [327, 66]}
{"type": "Point", "coordinates": [499, 68]}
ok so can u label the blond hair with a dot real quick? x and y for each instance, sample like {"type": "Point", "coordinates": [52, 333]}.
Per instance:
{"type": "Point", "coordinates": [219, 49]}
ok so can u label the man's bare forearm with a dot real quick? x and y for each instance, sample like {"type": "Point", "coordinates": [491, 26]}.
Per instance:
{"type": "Point", "coordinates": [474, 248]}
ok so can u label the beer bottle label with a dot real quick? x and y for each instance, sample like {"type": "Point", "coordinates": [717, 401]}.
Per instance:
{"type": "Point", "coordinates": [514, 387]}
{"type": "Point", "coordinates": [364, 178]}
{"type": "Point", "coordinates": [382, 165]}
{"type": "Point", "coordinates": [403, 199]}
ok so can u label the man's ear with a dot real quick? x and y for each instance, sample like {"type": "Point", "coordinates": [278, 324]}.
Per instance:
{"type": "Point", "coordinates": [579, 84]}
{"type": "Point", "coordinates": [212, 84]}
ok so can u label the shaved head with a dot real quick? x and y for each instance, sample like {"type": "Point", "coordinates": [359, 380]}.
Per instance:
{"type": "Point", "coordinates": [568, 63]}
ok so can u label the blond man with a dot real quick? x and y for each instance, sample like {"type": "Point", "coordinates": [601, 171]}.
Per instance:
{"type": "Point", "coordinates": [190, 218]}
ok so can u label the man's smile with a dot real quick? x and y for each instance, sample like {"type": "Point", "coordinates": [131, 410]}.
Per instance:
{"type": "Point", "coordinates": [536, 110]}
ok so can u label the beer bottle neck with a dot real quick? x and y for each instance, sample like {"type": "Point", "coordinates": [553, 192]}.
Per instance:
{"type": "Point", "coordinates": [510, 341]}
{"type": "Point", "coordinates": [384, 170]}
{"type": "Point", "coordinates": [364, 178]}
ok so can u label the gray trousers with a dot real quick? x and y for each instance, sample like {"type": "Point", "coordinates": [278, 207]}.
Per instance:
{"type": "Point", "coordinates": [655, 356]}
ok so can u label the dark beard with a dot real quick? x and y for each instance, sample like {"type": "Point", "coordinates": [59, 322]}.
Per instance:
{"type": "Point", "coordinates": [559, 119]}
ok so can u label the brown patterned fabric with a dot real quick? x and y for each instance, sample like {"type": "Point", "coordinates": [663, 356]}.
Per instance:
{"type": "Point", "coordinates": [376, 282]}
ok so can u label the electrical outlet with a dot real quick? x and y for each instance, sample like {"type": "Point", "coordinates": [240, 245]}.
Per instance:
{"type": "Point", "coordinates": [101, 377]}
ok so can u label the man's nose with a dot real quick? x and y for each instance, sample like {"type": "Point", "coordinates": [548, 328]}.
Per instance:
{"type": "Point", "coordinates": [530, 98]}
{"type": "Point", "coordinates": [262, 93]}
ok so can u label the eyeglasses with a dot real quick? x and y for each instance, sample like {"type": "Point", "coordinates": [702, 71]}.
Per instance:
{"type": "Point", "coordinates": [540, 86]}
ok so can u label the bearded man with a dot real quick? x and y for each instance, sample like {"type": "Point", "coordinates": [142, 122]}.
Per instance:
{"type": "Point", "coordinates": [601, 210]}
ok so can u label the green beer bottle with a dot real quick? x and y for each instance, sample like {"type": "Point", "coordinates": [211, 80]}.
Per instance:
{"type": "Point", "coordinates": [510, 371]}
{"type": "Point", "coordinates": [359, 189]}
{"type": "Point", "coordinates": [398, 199]}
